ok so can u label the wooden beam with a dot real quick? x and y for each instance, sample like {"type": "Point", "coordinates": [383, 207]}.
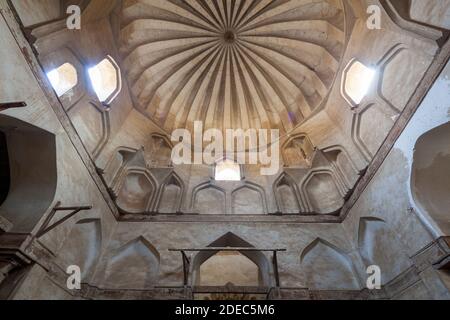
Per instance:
{"type": "Point", "coordinates": [11, 105]}
{"type": "Point", "coordinates": [433, 72]}
{"type": "Point", "coordinates": [29, 55]}
{"type": "Point", "coordinates": [213, 249]}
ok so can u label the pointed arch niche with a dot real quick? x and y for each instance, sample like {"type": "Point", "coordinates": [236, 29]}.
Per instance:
{"type": "Point", "coordinates": [298, 152]}
{"type": "Point", "coordinates": [249, 199]}
{"type": "Point", "coordinates": [328, 268]}
{"type": "Point", "coordinates": [286, 194]}
{"type": "Point", "coordinates": [209, 199]}
{"type": "Point", "coordinates": [343, 166]}
{"type": "Point", "coordinates": [322, 193]}
{"type": "Point", "coordinates": [219, 268]}
{"type": "Point", "coordinates": [171, 195]}
{"type": "Point", "coordinates": [135, 265]}
{"type": "Point", "coordinates": [137, 191]}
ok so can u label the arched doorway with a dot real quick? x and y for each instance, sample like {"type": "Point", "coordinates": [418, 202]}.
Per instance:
{"type": "Point", "coordinates": [28, 153]}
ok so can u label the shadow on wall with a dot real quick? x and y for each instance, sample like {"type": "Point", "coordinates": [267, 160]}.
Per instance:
{"type": "Point", "coordinates": [326, 267]}
{"type": "Point", "coordinates": [380, 246]}
{"type": "Point", "coordinates": [134, 265]}
{"type": "Point", "coordinates": [83, 246]}
{"type": "Point", "coordinates": [430, 176]}
{"type": "Point", "coordinates": [31, 154]}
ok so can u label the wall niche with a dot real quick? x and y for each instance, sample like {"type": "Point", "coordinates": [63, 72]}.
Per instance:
{"type": "Point", "coordinates": [298, 152]}
{"type": "Point", "coordinates": [322, 193]}
{"type": "Point", "coordinates": [327, 267]}
{"type": "Point", "coordinates": [240, 268]}
{"type": "Point", "coordinates": [248, 199]}
{"type": "Point", "coordinates": [136, 192]}
{"type": "Point", "coordinates": [171, 195]}
{"type": "Point", "coordinates": [286, 195]}
{"type": "Point", "coordinates": [135, 265]}
{"type": "Point", "coordinates": [430, 176]}
{"type": "Point", "coordinates": [209, 199]}
{"type": "Point", "coordinates": [31, 157]}
{"type": "Point", "coordinates": [158, 151]}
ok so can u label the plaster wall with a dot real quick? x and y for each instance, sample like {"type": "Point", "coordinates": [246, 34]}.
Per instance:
{"type": "Point", "coordinates": [405, 226]}
{"type": "Point", "coordinates": [75, 186]}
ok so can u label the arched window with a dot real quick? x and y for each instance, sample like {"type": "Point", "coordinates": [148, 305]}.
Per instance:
{"type": "Point", "coordinates": [227, 170]}
{"type": "Point", "coordinates": [105, 79]}
{"type": "Point", "coordinates": [357, 81]}
{"type": "Point", "coordinates": [63, 78]}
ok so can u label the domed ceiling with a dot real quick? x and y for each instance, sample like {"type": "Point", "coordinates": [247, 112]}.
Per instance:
{"type": "Point", "coordinates": [231, 63]}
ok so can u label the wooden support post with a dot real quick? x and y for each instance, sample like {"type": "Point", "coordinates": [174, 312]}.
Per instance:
{"type": "Point", "coordinates": [186, 261]}
{"type": "Point", "coordinates": [275, 269]}
{"type": "Point", "coordinates": [45, 228]}
{"type": "Point", "coordinates": [186, 266]}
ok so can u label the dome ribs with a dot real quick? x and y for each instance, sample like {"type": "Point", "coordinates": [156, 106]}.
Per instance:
{"type": "Point", "coordinates": [231, 63]}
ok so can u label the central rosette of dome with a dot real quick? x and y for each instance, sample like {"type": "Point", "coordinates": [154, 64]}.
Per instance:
{"type": "Point", "coordinates": [229, 36]}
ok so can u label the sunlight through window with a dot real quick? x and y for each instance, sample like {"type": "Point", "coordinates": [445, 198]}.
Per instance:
{"type": "Point", "coordinates": [105, 80]}
{"type": "Point", "coordinates": [63, 78]}
{"type": "Point", "coordinates": [358, 81]}
{"type": "Point", "coordinates": [227, 171]}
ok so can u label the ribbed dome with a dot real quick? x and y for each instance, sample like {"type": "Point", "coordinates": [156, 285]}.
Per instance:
{"type": "Point", "coordinates": [231, 63]}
